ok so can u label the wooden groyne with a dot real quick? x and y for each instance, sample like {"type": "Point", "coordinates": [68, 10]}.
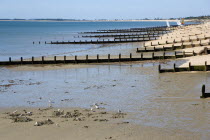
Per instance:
{"type": "Point", "coordinates": [105, 41]}
{"type": "Point", "coordinates": [126, 31]}
{"type": "Point", "coordinates": [170, 47]}
{"type": "Point", "coordinates": [98, 59]}
{"type": "Point", "coordinates": [204, 94]}
{"type": "Point", "coordinates": [124, 35]}
{"type": "Point", "coordinates": [190, 67]}
{"type": "Point", "coordinates": [174, 45]}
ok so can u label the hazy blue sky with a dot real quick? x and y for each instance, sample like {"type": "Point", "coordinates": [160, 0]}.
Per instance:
{"type": "Point", "coordinates": [97, 9]}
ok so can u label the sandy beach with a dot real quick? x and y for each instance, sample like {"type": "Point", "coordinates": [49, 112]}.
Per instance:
{"type": "Point", "coordinates": [79, 124]}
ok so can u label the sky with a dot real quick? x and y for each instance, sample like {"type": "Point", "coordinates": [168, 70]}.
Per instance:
{"type": "Point", "coordinates": [102, 9]}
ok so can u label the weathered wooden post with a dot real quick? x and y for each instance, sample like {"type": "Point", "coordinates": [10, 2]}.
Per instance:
{"type": "Point", "coordinates": [193, 53]}
{"type": "Point", "coordinates": [98, 58]}
{"type": "Point", "coordinates": [75, 59]}
{"type": "Point", "coordinates": [42, 59]}
{"type": "Point", "coordinates": [64, 58]}
{"type": "Point", "coordinates": [137, 50]}
{"type": "Point", "coordinates": [86, 58]}
{"type": "Point", "coordinates": [205, 66]}
{"type": "Point", "coordinates": [55, 59]}
{"type": "Point", "coordinates": [153, 55]}
{"type": "Point", "coordinates": [175, 54]}
{"type": "Point", "coordinates": [159, 68]}
{"type": "Point", "coordinates": [142, 56]}
{"type": "Point", "coordinates": [145, 49]}
{"type": "Point", "coordinates": [32, 59]}
{"type": "Point", "coordinates": [183, 53]}
{"type": "Point", "coordinates": [174, 67]}
{"type": "Point", "coordinates": [10, 60]}
{"type": "Point", "coordinates": [119, 57]}
{"type": "Point", "coordinates": [21, 60]}
{"type": "Point", "coordinates": [203, 90]}
{"type": "Point", "coordinates": [189, 66]}
{"type": "Point", "coordinates": [108, 57]}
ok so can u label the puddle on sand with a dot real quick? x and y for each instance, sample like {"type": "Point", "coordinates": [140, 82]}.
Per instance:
{"type": "Point", "coordinates": [169, 100]}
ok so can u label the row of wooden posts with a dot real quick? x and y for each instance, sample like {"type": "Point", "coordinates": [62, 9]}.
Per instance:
{"type": "Point", "coordinates": [157, 27]}
{"type": "Point", "coordinates": [204, 67]}
{"type": "Point", "coordinates": [97, 60]}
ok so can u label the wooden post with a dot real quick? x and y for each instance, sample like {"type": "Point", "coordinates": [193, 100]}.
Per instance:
{"type": "Point", "coordinates": [130, 56]}
{"type": "Point", "coordinates": [193, 53]}
{"type": "Point", "coordinates": [137, 50]}
{"type": "Point", "coordinates": [159, 68]}
{"type": "Point", "coordinates": [119, 57]}
{"type": "Point", "coordinates": [55, 59]}
{"type": "Point", "coordinates": [10, 60]}
{"type": "Point", "coordinates": [75, 59]}
{"type": "Point", "coordinates": [174, 67]}
{"type": "Point", "coordinates": [142, 55]}
{"type": "Point", "coordinates": [163, 48]}
{"type": "Point", "coordinates": [64, 58]}
{"type": "Point", "coordinates": [164, 55]}
{"type": "Point", "coordinates": [98, 58]}
{"type": "Point", "coordinates": [203, 92]}
{"type": "Point", "coordinates": [42, 59]}
{"type": "Point", "coordinates": [86, 58]}
{"type": "Point", "coordinates": [153, 55]}
{"type": "Point", "coordinates": [175, 54]}
{"type": "Point", "coordinates": [32, 60]}
{"type": "Point", "coordinates": [21, 59]}
{"type": "Point", "coordinates": [108, 57]}
{"type": "Point", "coordinates": [145, 48]}
{"type": "Point", "coordinates": [206, 66]}
{"type": "Point", "coordinates": [183, 53]}
{"type": "Point", "coordinates": [189, 66]}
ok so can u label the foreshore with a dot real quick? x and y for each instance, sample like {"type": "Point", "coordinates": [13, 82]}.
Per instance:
{"type": "Point", "coordinates": [80, 124]}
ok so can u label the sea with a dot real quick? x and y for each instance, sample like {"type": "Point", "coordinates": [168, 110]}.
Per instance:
{"type": "Point", "coordinates": [17, 37]}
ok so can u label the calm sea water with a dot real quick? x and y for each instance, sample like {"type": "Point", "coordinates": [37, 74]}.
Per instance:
{"type": "Point", "coordinates": [16, 37]}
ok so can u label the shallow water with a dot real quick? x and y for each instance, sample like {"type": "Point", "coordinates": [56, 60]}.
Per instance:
{"type": "Point", "coordinates": [17, 37]}
{"type": "Point", "coordinates": [169, 100]}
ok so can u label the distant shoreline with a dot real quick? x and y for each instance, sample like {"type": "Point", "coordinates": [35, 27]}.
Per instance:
{"type": "Point", "coordinates": [94, 20]}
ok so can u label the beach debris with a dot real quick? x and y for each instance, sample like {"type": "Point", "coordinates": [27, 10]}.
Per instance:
{"type": "Point", "coordinates": [14, 112]}
{"type": "Point", "coordinates": [101, 120]}
{"type": "Point", "coordinates": [21, 119]}
{"type": "Point", "coordinates": [57, 125]}
{"type": "Point", "coordinates": [58, 113]}
{"type": "Point", "coordinates": [45, 109]}
{"type": "Point", "coordinates": [85, 126]}
{"type": "Point", "coordinates": [119, 115]}
{"type": "Point", "coordinates": [45, 122]}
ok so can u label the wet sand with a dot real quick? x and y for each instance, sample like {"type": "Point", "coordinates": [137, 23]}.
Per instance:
{"type": "Point", "coordinates": [79, 124]}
